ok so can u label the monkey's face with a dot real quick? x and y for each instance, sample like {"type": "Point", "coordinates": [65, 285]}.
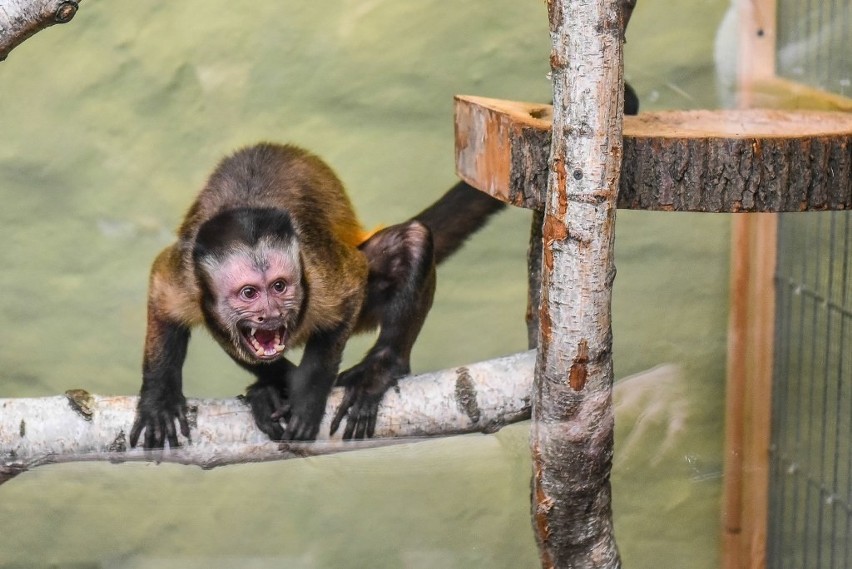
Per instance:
{"type": "Point", "coordinates": [256, 296]}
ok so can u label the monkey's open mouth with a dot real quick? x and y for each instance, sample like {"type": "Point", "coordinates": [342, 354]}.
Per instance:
{"type": "Point", "coordinates": [265, 344]}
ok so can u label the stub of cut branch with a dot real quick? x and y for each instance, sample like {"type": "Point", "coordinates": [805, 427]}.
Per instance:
{"type": "Point", "coordinates": [21, 19]}
{"type": "Point", "coordinates": [79, 426]}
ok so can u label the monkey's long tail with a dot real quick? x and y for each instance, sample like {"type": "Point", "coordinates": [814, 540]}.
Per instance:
{"type": "Point", "coordinates": [457, 215]}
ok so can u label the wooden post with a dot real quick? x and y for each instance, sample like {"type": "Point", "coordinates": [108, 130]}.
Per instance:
{"type": "Point", "coordinates": [749, 390]}
{"type": "Point", "coordinates": [572, 427]}
{"type": "Point", "coordinates": [756, 53]}
{"type": "Point", "coordinates": [751, 323]}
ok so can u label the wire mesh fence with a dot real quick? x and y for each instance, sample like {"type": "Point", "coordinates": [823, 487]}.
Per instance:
{"type": "Point", "coordinates": [810, 523]}
{"type": "Point", "coordinates": [813, 43]}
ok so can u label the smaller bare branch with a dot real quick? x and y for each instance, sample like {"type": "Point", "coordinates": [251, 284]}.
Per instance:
{"type": "Point", "coordinates": [21, 19]}
{"type": "Point", "coordinates": [79, 426]}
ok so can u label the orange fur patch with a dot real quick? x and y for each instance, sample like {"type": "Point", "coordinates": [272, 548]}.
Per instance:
{"type": "Point", "coordinates": [364, 234]}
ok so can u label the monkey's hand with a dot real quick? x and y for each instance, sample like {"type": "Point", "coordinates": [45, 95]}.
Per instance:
{"type": "Point", "coordinates": [366, 384]}
{"type": "Point", "coordinates": [268, 405]}
{"type": "Point", "coordinates": [303, 415]}
{"type": "Point", "coordinates": [156, 415]}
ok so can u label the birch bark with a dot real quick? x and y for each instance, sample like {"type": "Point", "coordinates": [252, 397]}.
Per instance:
{"type": "Point", "coordinates": [21, 19]}
{"type": "Point", "coordinates": [79, 426]}
{"type": "Point", "coordinates": [572, 429]}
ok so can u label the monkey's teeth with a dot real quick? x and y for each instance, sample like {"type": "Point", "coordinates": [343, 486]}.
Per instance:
{"type": "Point", "coordinates": [279, 346]}
{"type": "Point", "coordinates": [259, 350]}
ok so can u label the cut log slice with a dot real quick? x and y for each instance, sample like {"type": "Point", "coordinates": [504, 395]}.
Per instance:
{"type": "Point", "coordinates": [702, 161]}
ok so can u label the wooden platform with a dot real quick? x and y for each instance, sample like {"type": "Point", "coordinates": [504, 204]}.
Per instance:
{"type": "Point", "coordinates": [704, 161]}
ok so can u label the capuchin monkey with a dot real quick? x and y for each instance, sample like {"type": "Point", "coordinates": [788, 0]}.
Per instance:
{"type": "Point", "coordinates": [271, 256]}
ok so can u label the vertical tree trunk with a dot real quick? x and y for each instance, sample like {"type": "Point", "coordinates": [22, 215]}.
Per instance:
{"type": "Point", "coordinates": [572, 432]}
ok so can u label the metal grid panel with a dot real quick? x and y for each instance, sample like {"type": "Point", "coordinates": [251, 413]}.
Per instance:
{"type": "Point", "coordinates": [815, 43]}
{"type": "Point", "coordinates": [810, 523]}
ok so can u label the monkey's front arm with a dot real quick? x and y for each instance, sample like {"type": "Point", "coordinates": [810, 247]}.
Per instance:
{"type": "Point", "coordinates": [161, 401]}
{"type": "Point", "coordinates": [298, 394]}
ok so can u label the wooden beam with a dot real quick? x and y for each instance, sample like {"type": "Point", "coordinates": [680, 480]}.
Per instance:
{"type": "Point", "coordinates": [751, 325]}
{"type": "Point", "coordinates": [702, 161]}
{"type": "Point", "coordinates": [748, 391]}
{"type": "Point", "coordinates": [756, 47]}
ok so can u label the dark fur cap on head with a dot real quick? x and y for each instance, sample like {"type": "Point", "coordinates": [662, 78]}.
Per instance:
{"type": "Point", "coordinates": [219, 235]}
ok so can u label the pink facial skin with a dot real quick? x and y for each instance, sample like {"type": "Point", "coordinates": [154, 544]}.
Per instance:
{"type": "Point", "coordinates": [258, 294]}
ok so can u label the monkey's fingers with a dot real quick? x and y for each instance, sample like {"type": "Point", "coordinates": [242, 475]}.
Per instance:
{"type": "Point", "coordinates": [182, 421]}
{"type": "Point", "coordinates": [272, 429]}
{"type": "Point", "coordinates": [351, 428]}
{"type": "Point", "coordinates": [153, 439]}
{"type": "Point", "coordinates": [171, 433]}
{"type": "Point", "coordinates": [342, 411]}
{"type": "Point", "coordinates": [371, 423]}
{"type": "Point", "coordinates": [282, 408]}
{"type": "Point", "coordinates": [157, 419]}
{"type": "Point", "coordinates": [268, 408]}
{"type": "Point", "coordinates": [270, 422]}
{"type": "Point", "coordinates": [135, 431]}
{"type": "Point", "coordinates": [351, 420]}
{"type": "Point", "coordinates": [300, 430]}
{"type": "Point", "coordinates": [361, 424]}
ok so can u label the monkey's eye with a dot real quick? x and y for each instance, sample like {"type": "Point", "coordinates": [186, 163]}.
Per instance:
{"type": "Point", "coordinates": [279, 286]}
{"type": "Point", "coordinates": [248, 293]}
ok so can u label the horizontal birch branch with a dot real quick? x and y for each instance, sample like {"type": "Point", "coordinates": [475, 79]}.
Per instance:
{"type": "Point", "coordinates": [79, 426]}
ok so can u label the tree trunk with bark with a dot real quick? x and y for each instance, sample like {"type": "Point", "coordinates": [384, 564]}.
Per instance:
{"type": "Point", "coordinates": [572, 429]}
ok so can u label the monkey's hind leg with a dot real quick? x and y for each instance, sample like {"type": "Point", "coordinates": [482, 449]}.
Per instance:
{"type": "Point", "coordinates": [400, 289]}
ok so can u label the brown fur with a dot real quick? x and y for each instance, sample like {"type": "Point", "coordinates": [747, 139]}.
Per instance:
{"type": "Point", "coordinates": [330, 232]}
{"type": "Point", "coordinates": [271, 256]}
